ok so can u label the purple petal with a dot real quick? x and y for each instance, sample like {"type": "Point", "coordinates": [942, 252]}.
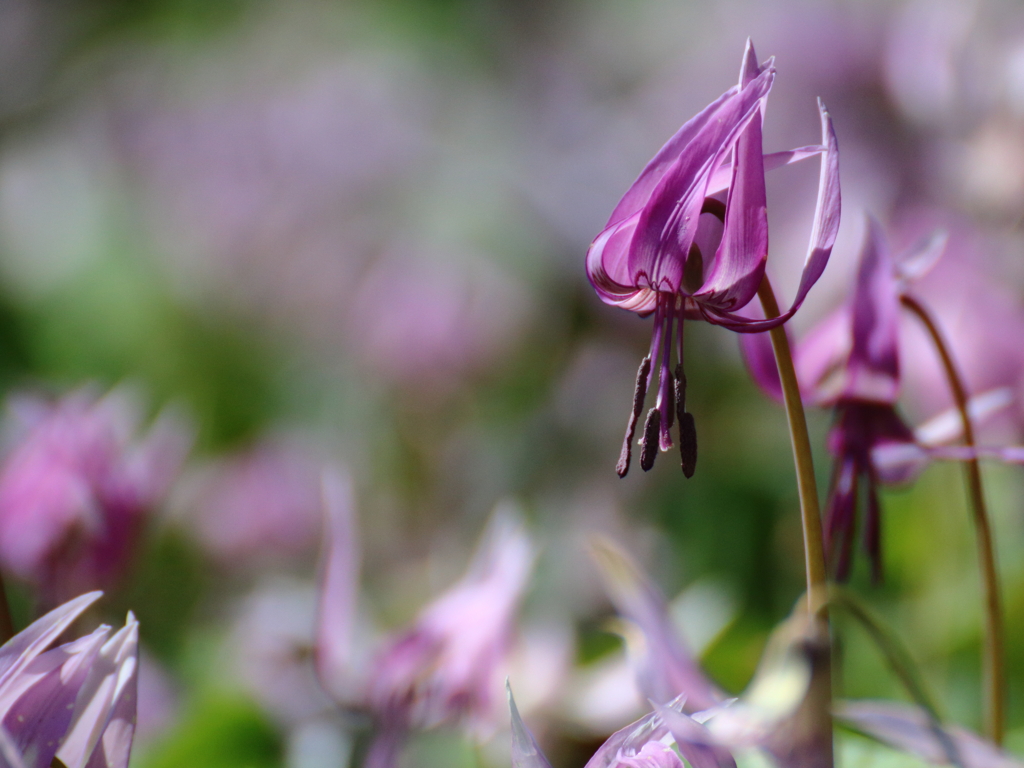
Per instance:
{"type": "Point", "coordinates": [695, 742]}
{"type": "Point", "coordinates": [748, 66]}
{"type": "Point", "coordinates": [21, 649]}
{"type": "Point", "coordinates": [739, 263]}
{"type": "Point", "coordinates": [909, 728]}
{"type": "Point", "coordinates": [108, 696]}
{"type": "Point", "coordinates": [667, 669]}
{"type": "Point", "coordinates": [640, 191]}
{"type": "Point", "coordinates": [948, 426]}
{"type": "Point", "coordinates": [873, 366]}
{"type": "Point", "coordinates": [630, 740]}
{"type": "Point", "coordinates": [722, 177]}
{"type": "Point", "coordinates": [667, 223]}
{"type": "Point", "coordinates": [525, 751]}
{"type": "Point", "coordinates": [760, 360]}
{"type": "Point", "coordinates": [339, 586]}
{"type": "Point", "coordinates": [823, 237]}
{"type": "Point", "coordinates": [38, 721]}
{"type": "Point", "coordinates": [608, 269]}
{"type": "Point", "coordinates": [820, 357]}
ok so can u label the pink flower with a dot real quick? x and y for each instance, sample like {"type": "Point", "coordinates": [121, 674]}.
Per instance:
{"type": "Point", "coordinates": [673, 248]}
{"type": "Point", "coordinates": [442, 669]}
{"type": "Point", "coordinates": [75, 484]}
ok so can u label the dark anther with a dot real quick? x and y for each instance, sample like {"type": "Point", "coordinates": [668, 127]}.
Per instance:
{"type": "Point", "coordinates": [639, 393]}
{"type": "Point", "coordinates": [715, 207]}
{"type": "Point", "coordinates": [687, 444]}
{"type": "Point", "coordinates": [649, 445]}
{"type": "Point", "coordinates": [680, 390]}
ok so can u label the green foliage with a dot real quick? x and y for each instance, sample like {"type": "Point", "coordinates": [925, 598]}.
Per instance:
{"type": "Point", "coordinates": [218, 731]}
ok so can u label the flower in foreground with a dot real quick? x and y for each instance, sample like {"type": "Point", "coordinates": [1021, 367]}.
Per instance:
{"type": "Point", "coordinates": [445, 667]}
{"type": "Point", "coordinates": [73, 705]}
{"type": "Point", "coordinates": [74, 487]}
{"type": "Point", "coordinates": [675, 249]}
{"type": "Point", "coordinates": [850, 362]}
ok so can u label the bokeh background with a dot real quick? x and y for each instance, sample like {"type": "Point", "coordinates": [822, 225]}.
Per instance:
{"type": "Point", "coordinates": [351, 234]}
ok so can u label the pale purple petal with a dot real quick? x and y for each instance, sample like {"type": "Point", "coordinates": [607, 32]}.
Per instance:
{"type": "Point", "coordinates": [21, 649]}
{"type": "Point", "coordinates": [654, 754]}
{"type": "Point", "coordinates": [948, 426]}
{"type": "Point", "coordinates": [910, 729]}
{"type": "Point", "coordinates": [339, 588]}
{"type": "Point", "coordinates": [38, 721]}
{"type": "Point", "coordinates": [109, 694]}
{"type": "Point", "coordinates": [629, 740]}
{"type": "Point", "coordinates": [525, 751]}
{"type": "Point", "coordinates": [10, 757]}
{"type": "Point", "coordinates": [666, 669]}
{"type": "Point", "coordinates": [695, 741]}
{"type": "Point", "coordinates": [720, 179]}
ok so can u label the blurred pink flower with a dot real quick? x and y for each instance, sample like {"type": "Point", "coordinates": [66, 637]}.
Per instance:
{"type": "Point", "coordinates": [74, 703]}
{"type": "Point", "coordinates": [446, 666]}
{"type": "Point", "coordinates": [427, 321]}
{"type": "Point", "coordinates": [75, 484]}
{"type": "Point", "coordinates": [258, 506]}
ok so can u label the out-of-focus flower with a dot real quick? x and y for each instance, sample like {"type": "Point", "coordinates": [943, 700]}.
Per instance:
{"type": "Point", "coordinates": [75, 483]}
{"type": "Point", "coordinates": [850, 362]}
{"type": "Point", "coordinates": [446, 666]}
{"type": "Point", "coordinates": [447, 317]}
{"type": "Point", "coordinates": [258, 506]}
{"type": "Point", "coordinates": [768, 717]}
{"type": "Point", "coordinates": [909, 728]}
{"type": "Point", "coordinates": [674, 249]}
{"type": "Point", "coordinates": [74, 703]}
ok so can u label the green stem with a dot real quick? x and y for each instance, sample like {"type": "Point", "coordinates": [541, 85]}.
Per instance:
{"type": "Point", "coordinates": [807, 486]}
{"type": "Point", "coordinates": [817, 707]}
{"type": "Point", "coordinates": [994, 684]}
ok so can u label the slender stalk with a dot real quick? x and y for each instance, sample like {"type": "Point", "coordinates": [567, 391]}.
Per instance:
{"type": "Point", "coordinates": [807, 486]}
{"type": "Point", "coordinates": [816, 711]}
{"type": "Point", "coordinates": [994, 684]}
{"type": "Point", "coordinates": [6, 622]}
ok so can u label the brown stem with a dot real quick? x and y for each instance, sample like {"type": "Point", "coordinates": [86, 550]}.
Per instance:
{"type": "Point", "coordinates": [6, 622]}
{"type": "Point", "coordinates": [816, 711]}
{"type": "Point", "coordinates": [994, 690]}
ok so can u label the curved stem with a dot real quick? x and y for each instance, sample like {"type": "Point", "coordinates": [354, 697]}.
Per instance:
{"type": "Point", "coordinates": [816, 711]}
{"type": "Point", "coordinates": [807, 486]}
{"type": "Point", "coordinates": [994, 673]}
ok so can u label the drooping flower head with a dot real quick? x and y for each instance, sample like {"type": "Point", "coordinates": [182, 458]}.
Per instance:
{"type": "Point", "coordinates": [689, 240]}
{"type": "Point", "coordinates": [72, 705]}
{"type": "Point", "coordinates": [75, 484]}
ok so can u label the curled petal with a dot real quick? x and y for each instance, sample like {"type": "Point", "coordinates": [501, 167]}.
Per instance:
{"type": "Point", "coordinates": [823, 237]}
{"type": "Point", "coordinates": [607, 269]}
{"type": "Point", "coordinates": [948, 426]}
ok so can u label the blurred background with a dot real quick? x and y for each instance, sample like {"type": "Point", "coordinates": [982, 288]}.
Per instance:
{"type": "Point", "coordinates": [264, 238]}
